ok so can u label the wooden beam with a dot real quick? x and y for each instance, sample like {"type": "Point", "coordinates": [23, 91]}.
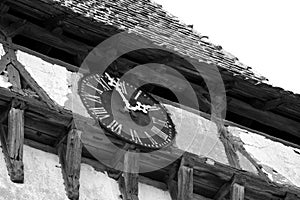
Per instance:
{"type": "Point", "coordinates": [3, 8]}
{"type": "Point", "coordinates": [264, 117]}
{"type": "Point", "coordinates": [185, 181]}
{"type": "Point", "coordinates": [15, 28]}
{"type": "Point", "coordinates": [5, 60]}
{"type": "Point", "coordinates": [171, 183]}
{"type": "Point", "coordinates": [129, 180]}
{"type": "Point", "coordinates": [40, 34]}
{"type": "Point", "coordinates": [225, 189]}
{"type": "Point", "coordinates": [229, 147]}
{"type": "Point", "coordinates": [70, 160]}
{"type": "Point", "coordinates": [12, 143]}
{"type": "Point", "coordinates": [30, 81]}
{"type": "Point", "coordinates": [291, 196]}
{"type": "Point", "coordinates": [14, 76]}
{"type": "Point", "coordinates": [272, 104]}
{"type": "Point", "coordinates": [119, 156]}
{"type": "Point", "coordinates": [15, 140]}
{"type": "Point", "coordinates": [237, 192]}
{"type": "Point", "coordinates": [15, 136]}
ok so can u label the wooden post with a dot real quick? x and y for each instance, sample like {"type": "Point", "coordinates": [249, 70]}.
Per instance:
{"type": "Point", "coordinates": [171, 183]}
{"type": "Point", "coordinates": [70, 160]}
{"type": "Point", "coordinates": [237, 192]}
{"type": "Point", "coordinates": [129, 180]}
{"type": "Point", "coordinates": [235, 186]}
{"type": "Point", "coordinates": [185, 181]}
{"type": "Point", "coordinates": [15, 142]}
{"type": "Point", "coordinates": [12, 143]}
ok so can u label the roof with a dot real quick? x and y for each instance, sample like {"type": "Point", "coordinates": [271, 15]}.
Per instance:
{"type": "Point", "coordinates": [150, 20]}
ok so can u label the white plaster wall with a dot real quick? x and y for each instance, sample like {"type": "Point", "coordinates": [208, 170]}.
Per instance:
{"type": "Point", "coordinates": [3, 79]}
{"type": "Point", "coordinates": [147, 192]}
{"type": "Point", "coordinates": [272, 155]}
{"type": "Point", "coordinates": [197, 135]}
{"type": "Point", "coordinates": [2, 52]}
{"type": "Point", "coordinates": [43, 181]}
{"type": "Point", "coordinates": [52, 78]}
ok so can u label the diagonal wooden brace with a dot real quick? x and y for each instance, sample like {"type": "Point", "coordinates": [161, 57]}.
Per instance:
{"type": "Point", "coordinates": [70, 160]}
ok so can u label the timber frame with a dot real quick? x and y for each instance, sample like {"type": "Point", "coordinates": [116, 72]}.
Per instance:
{"type": "Point", "coordinates": [209, 178]}
{"type": "Point", "coordinates": [40, 123]}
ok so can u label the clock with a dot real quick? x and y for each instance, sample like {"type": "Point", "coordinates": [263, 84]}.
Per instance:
{"type": "Point", "coordinates": [126, 111]}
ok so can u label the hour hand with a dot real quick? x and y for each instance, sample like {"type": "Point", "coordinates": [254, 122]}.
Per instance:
{"type": "Point", "coordinates": [141, 107]}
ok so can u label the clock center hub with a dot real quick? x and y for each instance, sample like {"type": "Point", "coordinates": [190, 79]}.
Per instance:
{"type": "Point", "coordinates": [140, 118]}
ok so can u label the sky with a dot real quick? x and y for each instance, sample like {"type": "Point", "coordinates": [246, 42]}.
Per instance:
{"type": "Point", "coordinates": [263, 34]}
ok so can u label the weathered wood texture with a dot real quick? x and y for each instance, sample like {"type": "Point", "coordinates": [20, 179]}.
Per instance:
{"type": "Point", "coordinates": [15, 140]}
{"type": "Point", "coordinates": [130, 178]}
{"type": "Point", "coordinates": [70, 159]}
{"type": "Point", "coordinates": [237, 192]}
{"type": "Point", "coordinates": [171, 183]}
{"type": "Point", "coordinates": [14, 76]}
{"type": "Point", "coordinates": [12, 144]}
{"type": "Point", "coordinates": [15, 135]}
{"type": "Point", "coordinates": [229, 146]}
{"type": "Point", "coordinates": [185, 181]}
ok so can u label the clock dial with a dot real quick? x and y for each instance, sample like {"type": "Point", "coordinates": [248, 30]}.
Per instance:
{"type": "Point", "coordinates": [126, 111]}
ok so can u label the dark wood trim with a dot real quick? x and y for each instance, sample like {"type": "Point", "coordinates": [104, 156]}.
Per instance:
{"type": "Point", "coordinates": [30, 81]}
{"type": "Point", "coordinates": [265, 117]}
{"type": "Point", "coordinates": [185, 181]}
{"type": "Point", "coordinates": [130, 178]}
{"type": "Point", "coordinates": [43, 35]}
{"type": "Point", "coordinates": [70, 160]}
{"type": "Point", "coordinates": [290, 196]}
{"type": "Point", "coordinates": [12, 142]}
{"type": "Point", "coordinates": [237, 192]}
{"type": "Point", "coordinates": [230, 149]}
{"type": "Point", "coordinates": [15, 140]}
{"type": "Point", "coordinates": [14, 76]}
{"type": "Point", "coordinates": [119, 157]}
{"type": "Point", "coordinates": [228, 187]}
{"type": "Point", "coordinates": [5, 60]}
{"type": "Point", "coordinates": [171, 183]}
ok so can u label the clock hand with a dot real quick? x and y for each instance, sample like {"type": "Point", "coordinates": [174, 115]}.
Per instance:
{"type": "Point", "coordinates": [139, 106]}
{"type": "Point", "coordinates": [114, 83]}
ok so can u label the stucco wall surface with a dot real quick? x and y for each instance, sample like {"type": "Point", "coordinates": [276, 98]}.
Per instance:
{"type": "Point", "coordinates": [43, 181]}
{"type": "Point", "coordinates": [3, 76]}
{"type": "Point", "coordinates": [280, 162]}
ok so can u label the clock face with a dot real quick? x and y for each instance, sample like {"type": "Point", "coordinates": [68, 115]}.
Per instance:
{"type": "Point", "coordinates": [126, 111]}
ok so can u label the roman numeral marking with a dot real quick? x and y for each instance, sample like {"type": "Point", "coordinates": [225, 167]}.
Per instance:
{"type": "Point", "coordinates": [159, 122]}
{"type": "Point", "coordinates": [137, 95]}
{"type": "Point", "coordinates": [115, 127]}
{"type": "Point", "coordinates": [134, 136]}
{"type": "Point", "coordinates": [123, 87]}
{"type": "Point", "coordinates": [93, 87]}
{"type": "Point", "coordinates": [154, 107]}
{"type": "Point", "coordinates": [151, 138]}
{"type": "Point", "coordinates": [100, 112]}
{"type": "Point", "coordinates": [158, 132]}
{"type": "Point", "coordinates": [103, 83]}
{"type": "Point", "coordinates": [93, 98]}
